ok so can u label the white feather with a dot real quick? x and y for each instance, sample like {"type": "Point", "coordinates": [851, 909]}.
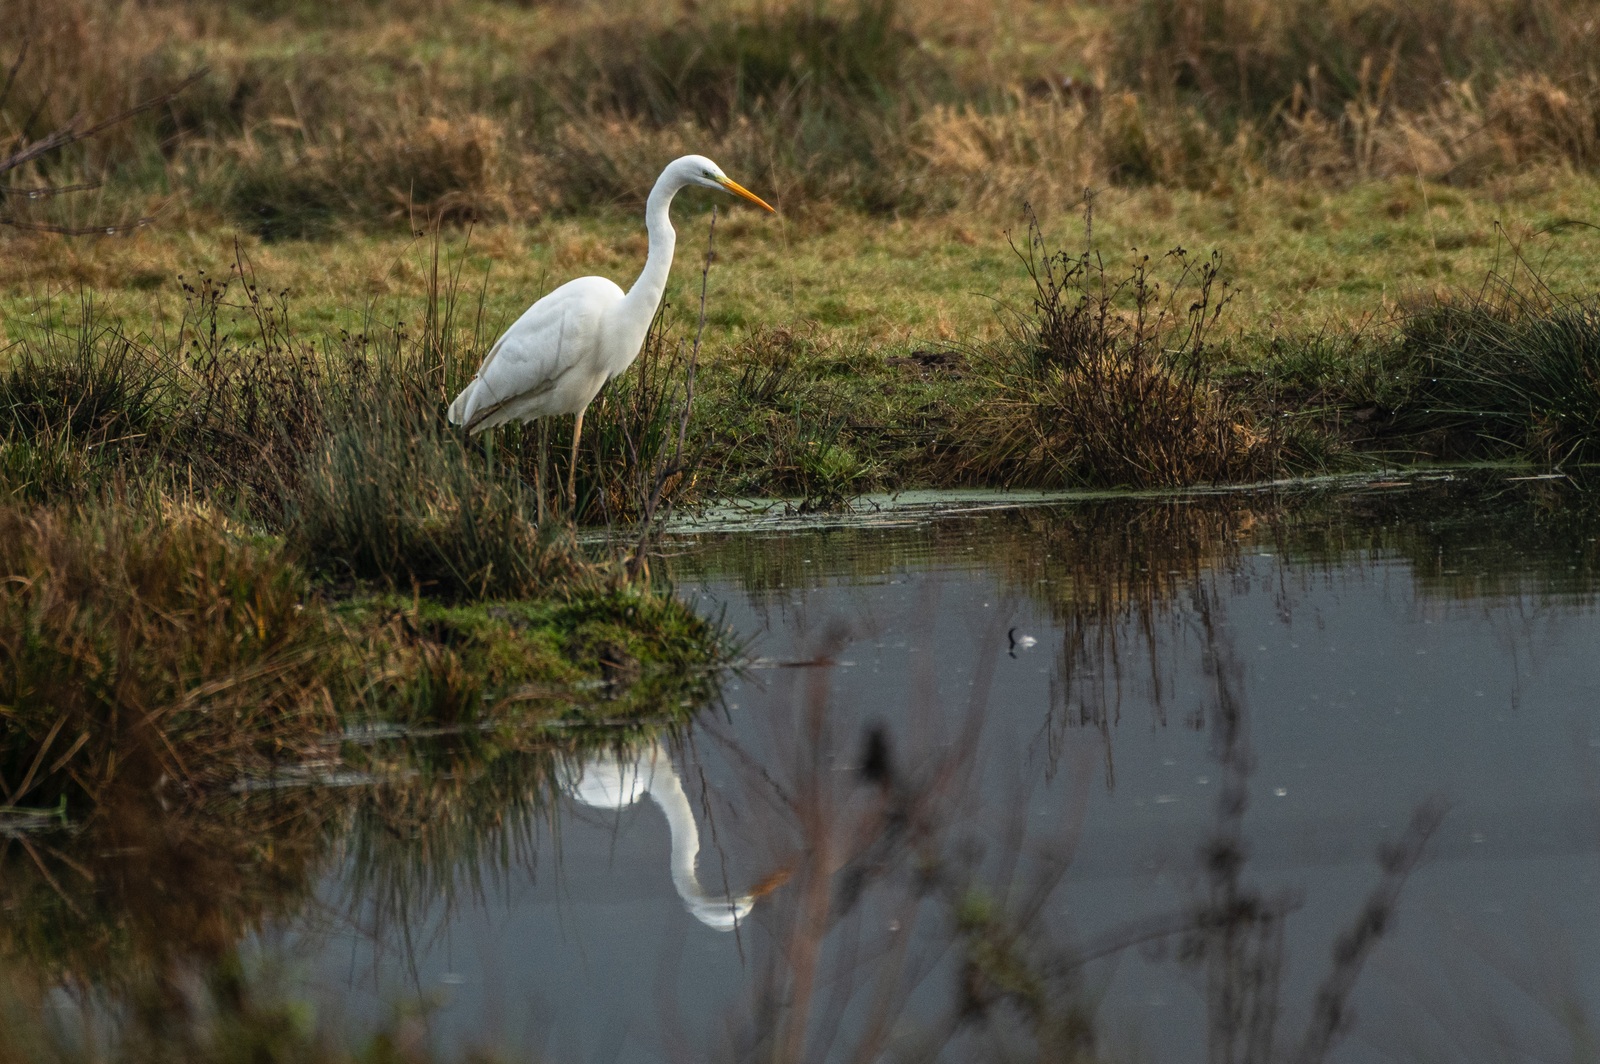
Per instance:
{"type": "Point", "coordinates": [560, 353]}
{"type": "Point", "coordinates": [549, 362]}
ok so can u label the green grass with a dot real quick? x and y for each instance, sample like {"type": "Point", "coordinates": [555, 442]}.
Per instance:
{"type": "Point", "coordinates": [838, 351]}
{"type": "Point", "coordinates": [599, 653]}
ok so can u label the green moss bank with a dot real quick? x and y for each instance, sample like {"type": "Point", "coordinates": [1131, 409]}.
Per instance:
{"type": "Point", "coordinates": [179, 653]}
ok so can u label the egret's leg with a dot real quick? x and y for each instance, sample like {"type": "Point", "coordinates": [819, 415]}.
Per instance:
{"type": "Point", "coordinates": [572, 467]}
{"type": "Point", "coordinates": [541, 481]}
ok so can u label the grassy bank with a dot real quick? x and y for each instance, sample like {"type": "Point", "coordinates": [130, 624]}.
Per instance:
{"type": "Point", "coordinates": [1383, 322]}
{"type": "Point", "coordinates": [227, 538]}
{"type": "Point", "coordinates": [1338, 237]}
{"type": "Point", "coordinates": [181, 653]}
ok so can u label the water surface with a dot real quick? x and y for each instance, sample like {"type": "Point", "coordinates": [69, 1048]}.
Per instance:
{"type": "Point", "coordinates": [1113, 772]}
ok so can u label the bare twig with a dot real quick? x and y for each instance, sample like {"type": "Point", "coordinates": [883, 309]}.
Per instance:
{"type": "Point", "coordinates": [68, 135]}
{"type": "Point", "coordinates": [1331, 1017]}
{"type": "Point", "coordinates": [24, 153]}
{"type": "Point", "coordinates": [11, 75]}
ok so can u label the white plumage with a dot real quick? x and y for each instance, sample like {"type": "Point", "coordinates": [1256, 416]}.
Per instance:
{"type": "Point", "coordinates": [557, 356]}
{"type": "Point", "coordinates": [608, 780]}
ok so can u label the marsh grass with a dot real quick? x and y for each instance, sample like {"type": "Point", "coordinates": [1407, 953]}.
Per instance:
{"type": "Point", "coordinates": [219, 402]}
{"type": "Point", "coordinates": [1507, 370]}
{"type": "Point", "coordinates": [1511, 369]}
{"type": "Point", "coordinates": [1107, 380]}
{"type": "Point", "coordinates": [72, 402]}
{"type": "Point", "coordinates": [182, 505]}
{"type": "Point", "coordinates": [337, 443]}
{"type": "Point", "coordinates": [791, 414]}
{"type": "Point", "coordinates": [395, 497]}
{"type": "Point", "coordinates": [163, 652]}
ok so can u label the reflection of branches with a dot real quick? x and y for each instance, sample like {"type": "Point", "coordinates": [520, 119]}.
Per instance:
{"type": "Point", "coordinates": [149, 888]}
{"type": "Point", "coordinates": [1116, 574]}
{"type": "Point", "coordinates": [1237, 933]}
{"type": "Point", "coordinates": [1331, 1018]}
{"type": "Point", "coordinates": [908, 898]}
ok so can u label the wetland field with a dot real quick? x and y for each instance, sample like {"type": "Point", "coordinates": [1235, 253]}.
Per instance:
{"type": "Point", "coordinates": [1106, 572]}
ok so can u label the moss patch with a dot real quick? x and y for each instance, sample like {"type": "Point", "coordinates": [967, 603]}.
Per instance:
{"type": "Point", "coordinates": [611, 652]}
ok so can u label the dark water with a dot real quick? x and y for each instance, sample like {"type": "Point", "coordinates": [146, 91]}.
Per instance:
{"type": "Point", "coordinates": [1276, 773]}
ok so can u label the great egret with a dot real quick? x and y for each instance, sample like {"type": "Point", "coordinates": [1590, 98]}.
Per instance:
{"type": "Point", "coordinates": [555, 358]}
{"type": "Point", "coordinates": [607, 781]}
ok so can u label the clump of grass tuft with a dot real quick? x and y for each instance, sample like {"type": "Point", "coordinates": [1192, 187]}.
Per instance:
{"type": "Point", "coordinates": [222, 403]}
{"type": "Point", "coordinates": [74, 403]}
{"type": "Point", "coordinates": [1514, 368]}
{"type": "Point", "coordinates": [1108, 382]}
{"type": "Point", "coordinates": [90, 383]}
{"type": "Point", "coordinates": [739, 64]}
{"type": "Point", "coordinates": [151, 651]}
{"type": "Point", "coordinates": [394, 495]}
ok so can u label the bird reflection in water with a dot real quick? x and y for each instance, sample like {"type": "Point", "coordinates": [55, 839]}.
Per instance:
{"type": "Point", "coordinates": [614, 781]}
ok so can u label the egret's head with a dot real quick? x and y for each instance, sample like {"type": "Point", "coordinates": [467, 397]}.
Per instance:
{"type": "Point", "coordinates": [698, 170]}
{"type": "Point", "coordinates": [721, 914]}
{"type": "Point", "coordinates": [726, 914]}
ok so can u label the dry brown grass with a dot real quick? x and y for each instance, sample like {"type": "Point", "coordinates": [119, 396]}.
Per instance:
{"type": "Point", "coordinates": [306, 121]}
{"type": "Point", "coordinates": [161, 653]}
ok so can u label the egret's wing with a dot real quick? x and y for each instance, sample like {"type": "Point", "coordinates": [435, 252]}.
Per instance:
{"type": "Point", "coordinates": [529, 368]}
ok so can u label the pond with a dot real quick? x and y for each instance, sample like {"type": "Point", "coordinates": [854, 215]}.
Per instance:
{"type": "Point", "coordinates": [1301, 773]}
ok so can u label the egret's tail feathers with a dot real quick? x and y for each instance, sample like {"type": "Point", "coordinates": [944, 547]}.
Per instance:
{"type": "Point", "coordinates": [458, 407]}
{"type": "Point", "coordinates": [473, 410]}
{"type": "Point", "coordinates": [480, 416]}
{"type": "Point", "coordinates": [461, 406]}
{"type": "Point", "coordinates": [477, 407]}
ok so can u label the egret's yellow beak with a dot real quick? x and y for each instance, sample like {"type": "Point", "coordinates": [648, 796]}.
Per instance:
{"type": "Point", "coordinates": [772, 882]}
{"type": "Point", "coordinates": [739, 190]}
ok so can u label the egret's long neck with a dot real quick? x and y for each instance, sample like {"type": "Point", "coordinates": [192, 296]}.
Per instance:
{"type": "Point", "coordinates": [645, 295]}
{"type": "Point", "coordinates": [666, 789]}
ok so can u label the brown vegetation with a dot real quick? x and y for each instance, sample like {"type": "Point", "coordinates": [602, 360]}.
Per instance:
{"type": "Point", "coordinates": [303, 120]}
{"type": "Point", "coordinates": [149, 652]}
{"type": "Point", "coordinates": [1108, 382]}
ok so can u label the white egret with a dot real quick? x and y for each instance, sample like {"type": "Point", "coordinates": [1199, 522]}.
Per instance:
{"type": "Point", "coordinates": [607, 781]}
{"type": "Point", "coordinates": [555, 358]}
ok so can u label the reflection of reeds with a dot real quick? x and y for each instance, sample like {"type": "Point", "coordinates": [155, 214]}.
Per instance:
{"type": "Point", "coordinates": [141, 892]}
{"type": "Point", "coordinates": [446, 820]}
{"type": "Point", "coordinates": [915, 908]}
